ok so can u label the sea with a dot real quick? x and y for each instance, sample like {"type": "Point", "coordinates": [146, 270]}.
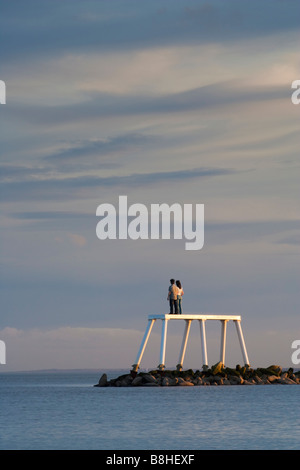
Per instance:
{"type": "Point", "coordinates": [62, 410]}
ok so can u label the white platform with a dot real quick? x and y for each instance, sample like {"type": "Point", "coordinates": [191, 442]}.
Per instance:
{"type": "Point", "coordinates": [194, 316]}
{"type": "Point", "coordinates": [188, 318]}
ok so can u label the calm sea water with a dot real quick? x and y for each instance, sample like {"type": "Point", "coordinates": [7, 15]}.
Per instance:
{"type": "Point", "coordinates": [62, 410]}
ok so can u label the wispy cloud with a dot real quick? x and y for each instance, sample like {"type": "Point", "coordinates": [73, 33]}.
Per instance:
{"type": "Point", "coordinates": [67, 188]}
{"type": "Point", "coordinates": [100, 105]}
{"type": "Point", "coordinates": [163, 101]}
{"type": "Point", "coordinates": [71, 27]}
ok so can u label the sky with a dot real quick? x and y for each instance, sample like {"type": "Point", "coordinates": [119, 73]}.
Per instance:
{"type": "Point", "coordinates": [165, 101]}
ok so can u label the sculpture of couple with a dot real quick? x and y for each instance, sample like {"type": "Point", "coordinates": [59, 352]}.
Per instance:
{"type": "Point", "coordinates": [175, 294]}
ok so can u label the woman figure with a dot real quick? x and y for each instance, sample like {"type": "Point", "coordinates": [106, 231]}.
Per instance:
{"type": "Point", "coordinates": [179, 296]}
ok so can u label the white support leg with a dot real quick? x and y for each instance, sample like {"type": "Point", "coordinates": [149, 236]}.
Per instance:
{"type": "Point", "coordinates": [184, 343]}
{"type": "Point", "coordinates": [242, 342]}
{"type": "Point", "coordinates": [203, 343]}
{"type": "Point", "coordinates": [223, 341]}
{"type": "Point", "coordinates": [143, 345]}
{"type": "Point", "coordinates": [163, 344]}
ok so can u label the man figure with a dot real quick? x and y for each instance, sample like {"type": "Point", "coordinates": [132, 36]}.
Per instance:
{"type": "Point", "coordinates": [172, 297]}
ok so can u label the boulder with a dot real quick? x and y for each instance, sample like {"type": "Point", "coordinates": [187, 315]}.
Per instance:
{"type": "Point", "coordinates": [286, 381]}
{"type": "Point", "coordinates": [217, 368]}
{"type": "Point", "coordinates": [272, 378]}
{"type": "Point", "coordinates": [165, 381]}
{"type": "Point", "coordinates": [226, 382]}
{"type": "Point", "coordinates": [247, 382]}
{"type": "Point", "coordinates": [228, 371]}
{"type": "Point", "coordinates": [277, 370]}
{"type": "Point", "coordinates": [205, 381]}
{"type": "Point", "coordinates": [218, 380]}
{"type": "Point", "coordinates": [198, 381]}
{"type": "Point", "coordinates": [180, 380]}
{"type": "Point", "coordinates": [149, 378]}
{"type": "Point", "coordinates": [236, 380]}
{"type": "Point", "coordinates": [137, 381]}
{"type": "Point", "coordinates": [265, 379]}
{"type": "Point", "coordinates": [185, 383]}
{"type": "Point", "coordinates": [102, 381]}
{"type": "Point", "coordinates": [257, 379]}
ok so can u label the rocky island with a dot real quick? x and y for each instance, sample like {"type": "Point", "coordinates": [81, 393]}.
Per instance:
{"type": "Point", "coordinates": [218, 374]}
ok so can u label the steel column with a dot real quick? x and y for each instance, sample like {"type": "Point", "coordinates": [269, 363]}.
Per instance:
{"type": "Point", "coordinates": [223, 341]}
{"type": "Point", "coordinates": [184, 343]}
{"type": "Point", "coordinates": [163, 343]}
{"type": "Point", "coordinates": [143, 345]}
{"type": "Point", "coordinates": [242, 342]}
{"type": "Point", "coordinates": [203, 343]}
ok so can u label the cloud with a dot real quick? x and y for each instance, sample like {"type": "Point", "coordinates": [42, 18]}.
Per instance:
{"type": "Point", "coordinates": [97, 25]}
{"type": "Point", "coordinates": [68, 188]}
{"type": "Point", "coordinates": [77, 240]}
{"type": "Point", "coordinates": [98, 105]}
{"type": "Point", "coordinates": [98, 147]}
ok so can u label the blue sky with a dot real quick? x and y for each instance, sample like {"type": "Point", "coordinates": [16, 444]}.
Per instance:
{"type": "Point", "coordinates": [163, 101]}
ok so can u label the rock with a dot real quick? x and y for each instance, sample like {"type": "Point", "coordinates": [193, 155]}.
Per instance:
{"type": "Point", "coordinates": [228, 371]}
{"type": "Point", "coordinates": [290, 381]}
{"type": "Point", "coordinates": [137, 381]}
{"type": "Point", "coordinates": [226, 382]}
{"type": "Point", "coordinates": [102, 381]}
{"type": "Point", "coordinates": [251, 380]}
{"type": "Point", "coordinates": [217, 368]}
{"type": "Point", "coordinates": [180, 380]}
{"type": "Point", "coordinates": [127, 381]}
{"type": "Point", "coordinates": [165, 381]}
{"type": "Point", "coordinates": [198, 381]}
{"type": "Point", "coordinates": [185, 383]}
{"type": "Point", "coordinates": [218, 380]}
{"type": "Point", "coordinates": [277, 370]}
{"type": "Point", "coordinates": [205, 381]}
{"type": "Point", "coordinates": [188, 374]}
{"type": "Point", "coordinates": [286, 381]}
{"type": "Point", "coordinates": [236, 380]}
{"type": "Point", "coordinates": [272, 379]}
{"type": "Point", "coordinates": [124, 380]}
{"type": "Point", "coordinates": [258, 380]}
{"type": "Point", "coordinates": [149, 378]}
{"type": "Point", "coordinates": [247, 382]}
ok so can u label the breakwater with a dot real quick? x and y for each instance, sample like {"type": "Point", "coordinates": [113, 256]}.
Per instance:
{"type": "Point", "coordinates": [216, 375]}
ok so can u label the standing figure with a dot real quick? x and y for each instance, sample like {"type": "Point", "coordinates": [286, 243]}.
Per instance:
{"type": "Point", "coordinates": [179, 296]}
{"type": "Point", "coordinates": [172, 297]}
